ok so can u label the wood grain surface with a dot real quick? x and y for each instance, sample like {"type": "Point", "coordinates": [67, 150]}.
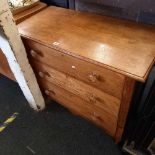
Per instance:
{"type": "Point", "coordinates": [80, 107]}
{"type": "Point", "coordinates": [122, 46]}
{"type": "Point", "coordinates": [88, 63]}
{"type": "Point", "coordinates": [22, 14]}
{"type": "Point", "coordinates": [125, 106]}
{"type": "Point", "coordinates": [88, 93]}
{"type": "Point", "coordinates": [99, 77]}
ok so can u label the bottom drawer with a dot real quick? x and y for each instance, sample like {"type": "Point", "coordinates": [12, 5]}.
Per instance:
{"type": "Point", "coordinates": [80, 107]}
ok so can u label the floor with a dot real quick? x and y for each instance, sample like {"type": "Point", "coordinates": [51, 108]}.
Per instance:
{"type": "Point", "coordinates": [54, 131]}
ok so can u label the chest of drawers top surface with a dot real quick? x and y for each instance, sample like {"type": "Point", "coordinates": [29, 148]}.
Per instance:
{"type": "Point", "coordinates": [125, 47]}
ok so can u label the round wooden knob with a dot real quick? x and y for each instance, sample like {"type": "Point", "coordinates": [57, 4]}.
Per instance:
{"type": "Point", "coordinates": [93, 77]}
{"type": "Point", "coordinates": [41, 74]}
{"type": "Point", "coordinates": [92, 98]}
{"type": "Point", "coordinates": [94, 116]}
{"type": "Point", "coordinates": [73, 67]}
{"type": "Point", "coordinates": [47, 92]}
{"type": "Point", "coordinates": [33, 53]}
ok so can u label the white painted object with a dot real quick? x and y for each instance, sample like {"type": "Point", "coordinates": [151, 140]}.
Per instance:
{"type": "Point", "coordinates": [14, 50]}
{"type": "Point", "coordinates": [20, 3]}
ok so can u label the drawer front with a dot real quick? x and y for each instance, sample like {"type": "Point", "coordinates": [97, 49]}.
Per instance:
{"type": "Point", "coordinates": [92, 74]}
{"type": "Point", "coordinates": [80, 107]}
{"type": "Point", "coordinates": [94, 96]}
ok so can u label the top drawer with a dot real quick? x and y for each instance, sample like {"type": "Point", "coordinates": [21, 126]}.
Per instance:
{"type": "Point", "coordinates": [97, 76]}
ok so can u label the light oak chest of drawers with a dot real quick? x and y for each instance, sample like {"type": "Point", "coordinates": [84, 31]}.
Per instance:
{"type": "Point", "coordinates": [89, 63]}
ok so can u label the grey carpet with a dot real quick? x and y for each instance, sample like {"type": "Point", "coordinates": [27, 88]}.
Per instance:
{"type": "Point", "coordinates": [55, 131]}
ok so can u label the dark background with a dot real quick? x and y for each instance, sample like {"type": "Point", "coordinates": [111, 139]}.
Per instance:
{"type": "Point", "coordinates": [137, 10]}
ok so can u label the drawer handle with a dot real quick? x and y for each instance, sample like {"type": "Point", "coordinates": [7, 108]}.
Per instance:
{"type": "Point", "coordinates": [94, 116]}
{"type": "Point", "coordinates": [47, 92]}
{"type": "Point", "coordinates": [34, 54]}
{"type": "Point", "coordinates": [92, 98]}
{"type": "Point", "coordinates": [94, 77]}
{"type": "Point", "coordinates": [43, 74]}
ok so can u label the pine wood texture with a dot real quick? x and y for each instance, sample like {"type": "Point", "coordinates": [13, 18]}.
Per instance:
{"type": "Point", "coordinates": [89, 63]}
{"type": "Point", "coordinates": [125, 105]}
{"type": "Point", "coordinates": [22, 14]}
{"type": "Point", "coordinates": [95, 96]}
{"type": "Point", "coordinates": [80, 107]}
{"type": "Point", "coordinates": [16, 10]}
{"type": "Point", "coordinates": [122, 46]}
{"type": "Point", "coordinates": [99, 77]}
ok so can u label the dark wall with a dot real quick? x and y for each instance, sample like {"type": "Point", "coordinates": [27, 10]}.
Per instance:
{"type": "Point", "coordinates": [137, 10]}
{"type": "Point", "coordinates": [61, 3]}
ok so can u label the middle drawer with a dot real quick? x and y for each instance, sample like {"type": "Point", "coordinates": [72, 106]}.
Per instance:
{"type": "Point", "coordinates": [96, 97]}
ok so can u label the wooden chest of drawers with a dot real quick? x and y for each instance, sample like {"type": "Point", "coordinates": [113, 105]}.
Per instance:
{"type": "Point", "coordinates": [92, 87]}
{"type": "Point", "coordinates": [89, 63]}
